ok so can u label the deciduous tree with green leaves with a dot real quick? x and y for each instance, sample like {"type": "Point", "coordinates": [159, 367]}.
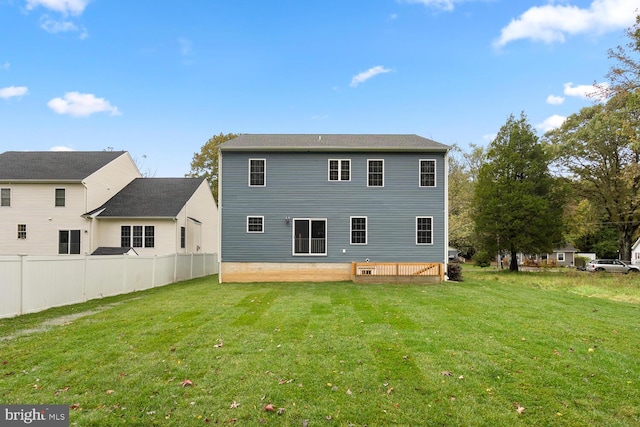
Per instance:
{"type": "Point", "coordinates": [205, 163]}
{"type": "Point", "coordinates": [518, 205]}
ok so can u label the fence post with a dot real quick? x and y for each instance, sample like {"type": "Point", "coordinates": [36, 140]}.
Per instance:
{"type": "Point", "coordinates": [23, 275]}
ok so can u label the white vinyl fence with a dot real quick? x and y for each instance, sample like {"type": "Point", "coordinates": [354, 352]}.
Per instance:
{"type": "Point", "coordinates": [34, 283]}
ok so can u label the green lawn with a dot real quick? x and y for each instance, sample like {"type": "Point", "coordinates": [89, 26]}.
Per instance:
{"type": "Point", "coordinates": [499, 349]}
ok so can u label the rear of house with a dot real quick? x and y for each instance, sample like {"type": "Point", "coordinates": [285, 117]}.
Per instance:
{"type": "Point", "coordinates": [304, 207]}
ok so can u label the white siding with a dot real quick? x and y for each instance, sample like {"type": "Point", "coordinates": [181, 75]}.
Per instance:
{"type": "Point", "coordinates": [109, 180]}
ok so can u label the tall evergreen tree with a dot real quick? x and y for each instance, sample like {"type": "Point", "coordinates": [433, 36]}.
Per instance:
{"type": "Point", "coordinates": [518, 205]}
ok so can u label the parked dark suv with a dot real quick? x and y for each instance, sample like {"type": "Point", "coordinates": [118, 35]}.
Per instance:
{"type": "Point", "coordinates": [611, 266]}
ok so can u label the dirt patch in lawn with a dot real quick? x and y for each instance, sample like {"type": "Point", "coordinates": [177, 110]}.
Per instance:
{"type": "Point", "coordinates": [58, 321]}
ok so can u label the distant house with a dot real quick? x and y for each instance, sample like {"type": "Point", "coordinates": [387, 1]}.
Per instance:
{"type": "Point", "coordinates": [564, 256]}
{"type": "Point", "coordinates": [75, 202]}
{"type": "Point", "coordinates": [304, 207]}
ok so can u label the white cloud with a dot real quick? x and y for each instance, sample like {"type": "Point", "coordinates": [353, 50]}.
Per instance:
{"type": "Point", "coordinates": [66, 7]}
{"type": "Point", "coordinates": [585, 91]}
{"type": "Point", "coordinates": [13, 91]}
{"type": "Point", "coordinates": [366, 75]}
{"type": "Point", "coordinates": [82, 105]}
{"type": "Point", "coordinates": [53, 26]}
{"type": "Point", "coordinates": [551, 122]}
{"type": "Point", "coordinates": [438, 4]}
{"type": "Point", "coordinates": [489, 137]}
{"type": "Point", "coordinates": [555, 100]}
{"type": "Point", "coordinates": [553, 22]}
{"type": "Point", "coordinates": [61, 148]}
{"type": "Point", "coordinates": [5, 66]}
{"type": "Point", "coordinates": [319, 117]}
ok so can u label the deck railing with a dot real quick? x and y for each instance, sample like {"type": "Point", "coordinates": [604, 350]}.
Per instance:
{"type": "Point", "coordinates": [398, 269]}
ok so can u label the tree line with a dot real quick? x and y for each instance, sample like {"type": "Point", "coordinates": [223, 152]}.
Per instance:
{"type": "Point", "coordinates": [578, 184]}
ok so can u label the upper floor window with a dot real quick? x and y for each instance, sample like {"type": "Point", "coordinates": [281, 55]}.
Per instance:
{"type": "Point", "coordinates": [5, 197]}
{"type": "Point", "coordinates": [427, 173]}
{"type": "Point", "coordinates": [339, 170]}
{"type": "Point", "coordinates": [22, 231]}
{"type": "Point", "coordinates": [358, 230]}
{"type": "Point", "coordinates": [137, 236]}
{"type": "Point", "coordinates": [255, 224]}
{"type": "Point", "coordinates": [375, 173]}
{"type": "Point", "coordinates": [424, 230]}
{"type": "Point", "coordinates": [60, 197]}
{"type": "Point", "coordinates": [257, 172]}
{"type": "Point", "coordinates": [68, 242]}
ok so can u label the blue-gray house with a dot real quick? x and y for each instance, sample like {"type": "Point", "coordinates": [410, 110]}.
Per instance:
{"type": "Point", "coordinates": [304, 207]}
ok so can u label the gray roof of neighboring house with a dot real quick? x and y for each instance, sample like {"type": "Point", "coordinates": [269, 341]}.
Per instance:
{"type": "Point", "coordinates": [53, 165]}
{"type": "Point", "coordinates": [150, 198]}
{"type": "Point", "coordinates": [332, 142]}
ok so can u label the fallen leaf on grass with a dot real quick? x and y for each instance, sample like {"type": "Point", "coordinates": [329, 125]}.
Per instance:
{"type": "Point", "coordinates": [269, 407]}
{"type": "Point", "coordinates": [186, 383]}
{"type": "Point", "coordinates": [446, 373]}
{"type": "Point", "coordinates": [219, 344]}
{"type": "Point", "coordinates": [75, 406]}
{"type": "Point", "coordinates": [109, 391]}
{"type": "Point", "coordinates": [519, 408]}
{"type": "Point", "coordinates": [281, 411]}
{"type": "Point", "coordinates": [390, 390]}
{"type": "Point", "coordinates": [234, 405]}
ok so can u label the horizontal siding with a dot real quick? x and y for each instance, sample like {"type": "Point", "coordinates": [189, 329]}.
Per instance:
{"type": "Point", "coordinates": [298, 187]}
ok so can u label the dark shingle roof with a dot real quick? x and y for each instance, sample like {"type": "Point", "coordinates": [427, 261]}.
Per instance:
{"type": "Point", "coordinates": [150, 198]}
{"type": "Point", "coordinates": [105, 250]}
{"type": "Point", "coordinates": [331, 142]}
{"type": "Point", "coordinates": [53, 165]}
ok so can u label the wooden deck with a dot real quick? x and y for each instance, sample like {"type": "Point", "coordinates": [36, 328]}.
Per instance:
{"type": "Point", "coordinates": [397, 272]}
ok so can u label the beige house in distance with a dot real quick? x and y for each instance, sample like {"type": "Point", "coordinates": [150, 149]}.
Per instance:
{"type": "Point", "coordinates": [75, 202]}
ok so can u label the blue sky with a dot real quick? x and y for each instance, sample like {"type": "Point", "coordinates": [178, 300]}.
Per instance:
{"type": "Point", "coordinates": [158, 78]}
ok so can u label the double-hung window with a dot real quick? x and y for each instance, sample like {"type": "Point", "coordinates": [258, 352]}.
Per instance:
{"type": "Point", "coordinates": [137, 236]}
{"type": "Point", "coordinates": [22, 231]}
{"type": "Point", "coordinates": [255, 224]}
{"type": "Point", "coordinates": [5, 197]}
{"type": "Point", "coordinates": [68, 242]}
{"type": "Point", "coordinates": [427, 173]}
{"type": "Point", "coordinates": [257, 172]}
{"type": "Point", "coordinates": [60, 197]}
{"type": "Point", "coordinates": [358, 230]}
{"type": "Point", "coordinates": [375, 173]}
{"type": "Point", "coordinates": [339, 170]}
{"type": "Point", "coordinates": [424, 230]}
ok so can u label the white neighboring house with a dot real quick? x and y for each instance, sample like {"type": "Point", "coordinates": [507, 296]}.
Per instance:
{"type": "Point", "coordinates": [635, 253]}
{"type": "Point", "coordinates": [75, 202]}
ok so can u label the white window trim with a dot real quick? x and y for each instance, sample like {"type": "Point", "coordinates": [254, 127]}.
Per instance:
{"type": "Point", "coordinates": [264, 173]}
{"type": "Point", "coordinates": [368, 171]}
{"type": "Point", "coordinates": [561, 255]}
{"type": "Point", "coordinates": [339, 170]}
{"type": "Point", "coordinates": [144, 235]}
{"type": "Point", "coordinates": [293, 237]}
{"type": "Point", "coordinates": [416, 231]}
{"type": "Point", "coordinates": [261, 224]}
{"type": "Point", "coordinates": [435, 174]}
{"type": "Point", "coordinates": [366, 230]}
